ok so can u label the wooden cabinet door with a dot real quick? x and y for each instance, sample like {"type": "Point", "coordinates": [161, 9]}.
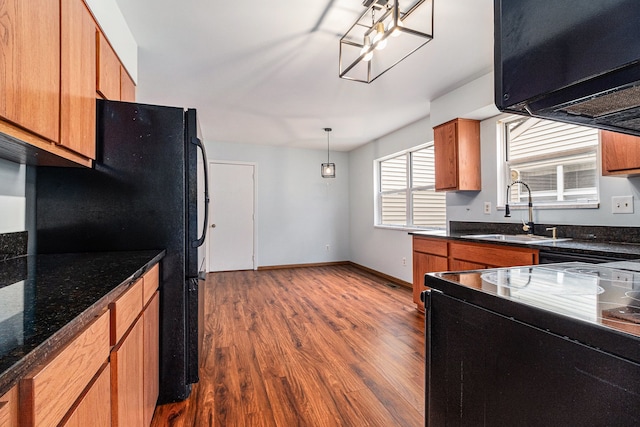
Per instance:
{"type": "Point", "coordinates": [78, 79]}
{"type": "Point", "coordinates": [127, 379]}
{"type": "Point", "coordinates": [127, 87]}
{"type": "Point", "coordinates": [468, 143]}
{"type": "Point", "coordinates": [108, 84]}
{"type": "Point", "coordinates": [620, 153]}
{"type": "Point", "coordinates": [461, 265]}
{"type": "Point", "coordinates": [446, 155]}
{"type": "Point", "coordinates": [457, 155]}
{"type": "Point", "coordinates": [9, 408]}
{"type": "Point", "coordinates": [95, 407]}
{"type": "Point", "coordinates": [423, 264]}
{"type": "Point", "coordinates": [30, 65]}
{"type": "Point", "coordinates": [151, 318]}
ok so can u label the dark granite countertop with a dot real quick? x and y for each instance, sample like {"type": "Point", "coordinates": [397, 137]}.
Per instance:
{"type": "Point", "coordinates": [45, 300]}
{"type": "Point", "coordinates": [620, 242]}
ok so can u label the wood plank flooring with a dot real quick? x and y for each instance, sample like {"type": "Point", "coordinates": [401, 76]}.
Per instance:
{"type": "Point", "coordinates": [317, 346]}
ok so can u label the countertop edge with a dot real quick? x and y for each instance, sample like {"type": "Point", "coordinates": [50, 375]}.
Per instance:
{"type": "Point", "coordinates": [59, 340]}
{"type": "Point", "coordinates": [623, 250]}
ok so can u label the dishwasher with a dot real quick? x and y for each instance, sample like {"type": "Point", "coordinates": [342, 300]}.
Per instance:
{"type": "Point", "coordinates": [551, 257]}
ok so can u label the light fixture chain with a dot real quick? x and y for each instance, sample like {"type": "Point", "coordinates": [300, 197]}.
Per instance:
{"type": "Point", "coordinates": [327, 130]}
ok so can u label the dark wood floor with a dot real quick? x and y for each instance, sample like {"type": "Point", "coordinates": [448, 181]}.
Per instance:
{"type": "Point", "coordinates": [317, 346]}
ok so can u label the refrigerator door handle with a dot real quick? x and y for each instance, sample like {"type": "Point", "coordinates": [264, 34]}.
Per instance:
{"type": "Point", "coordinates": [200, 241]}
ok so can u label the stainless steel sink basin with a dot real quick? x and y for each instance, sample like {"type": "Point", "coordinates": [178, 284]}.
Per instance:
{"type": "Point", "coordinates": [514, 238]}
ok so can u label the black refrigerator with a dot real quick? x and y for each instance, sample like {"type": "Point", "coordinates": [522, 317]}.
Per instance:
{"type": "Point", "coordinates": [147, 190]}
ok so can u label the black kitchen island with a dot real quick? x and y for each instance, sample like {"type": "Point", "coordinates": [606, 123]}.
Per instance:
{"type": "Point", "coordinates": [557, 344]}
{"type": "Point", "coordinates": [45, 300]}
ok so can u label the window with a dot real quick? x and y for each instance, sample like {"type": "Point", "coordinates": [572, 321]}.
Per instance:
{"type": "Point", "coordinates": [557, 161]}
{"type": "Point", "coordinates": [405, 189]}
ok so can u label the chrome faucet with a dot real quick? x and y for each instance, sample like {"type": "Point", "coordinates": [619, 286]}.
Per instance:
{"type": "Point", "coordinates": [528, 227]}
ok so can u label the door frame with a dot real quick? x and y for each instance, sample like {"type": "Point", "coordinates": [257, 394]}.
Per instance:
{"type": "Point", "coordinates": [255, 210]}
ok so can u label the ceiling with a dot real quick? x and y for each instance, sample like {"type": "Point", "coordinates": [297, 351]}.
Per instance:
{"type": "Point", "coordinates": [267, 73]}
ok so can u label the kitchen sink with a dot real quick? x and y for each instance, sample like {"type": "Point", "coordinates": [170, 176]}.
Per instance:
{"type": "Point", "coordinates": [514, 238]}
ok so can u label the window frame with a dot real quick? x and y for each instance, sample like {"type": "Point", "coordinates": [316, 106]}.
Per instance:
{"type": "Point", "coordinates": [503, 178]}
{"type": "Point", "coordinates": [408, 191]}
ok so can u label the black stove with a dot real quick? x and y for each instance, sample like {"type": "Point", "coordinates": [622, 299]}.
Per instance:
{"type": "Point", "coordinates": [604, 294]}
{"type": "Point", "coordinates": [552, 344]}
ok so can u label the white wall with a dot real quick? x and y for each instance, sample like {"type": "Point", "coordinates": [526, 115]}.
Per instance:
{"type": "Point", "coordinates": [298, 211]}
{"type": "Point", "coordinates": [12, 196]}
{"type": "Point", "coordinates": [378, 248]}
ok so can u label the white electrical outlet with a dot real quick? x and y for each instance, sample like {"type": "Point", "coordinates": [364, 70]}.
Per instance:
{"type": "Point", "coordinates": [404, 261]}
{"type": "Point", "coordinates": [622, 278]}
{"type": "Point", "coordinates": [487, 208]}
{"type": "Point", "coordinates": [622, 204]}
{"type": "Point", "coordinates": [327, 248]}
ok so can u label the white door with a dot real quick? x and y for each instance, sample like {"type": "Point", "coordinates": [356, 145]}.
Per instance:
{"type": "Point", "coordinates": [231, 228]}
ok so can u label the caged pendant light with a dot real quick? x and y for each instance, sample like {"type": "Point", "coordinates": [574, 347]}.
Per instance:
{"type": "Point", "coordinates": [385, 34]}
{"type": "Point", "coordinates": [328, 170]}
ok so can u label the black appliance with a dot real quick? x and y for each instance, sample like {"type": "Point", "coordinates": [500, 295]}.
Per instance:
{"type": "Point", "coordinates": [142, 193]}
{"type": "Point", "coordinates": [552, 257]}
{"type": "Point", "coordinates": [557, 344]}
{"type": "Point", "coordinates": [575, 61]}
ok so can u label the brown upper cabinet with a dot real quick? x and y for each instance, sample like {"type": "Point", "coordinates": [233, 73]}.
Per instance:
{"type": "Point", "coordinates": [30, 83]}
{"type": "Point", "coordinates": [53, 58]}
{"type": "Point", "coordinates": [78, 71]}
{"type": "Point", "coordinates": [108, 82]}
{"type": "Point", "coordinates": [620, 153]}
{"type": "Point", "coordinates": [457, 155]}
{"type": "Point", "coordinates": [127, 86]}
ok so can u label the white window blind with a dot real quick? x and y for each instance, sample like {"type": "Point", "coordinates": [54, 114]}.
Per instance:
{"type": "Point", "coordinates": [406, 191]}
{"type": "Point", "coordinates": [557, 161]}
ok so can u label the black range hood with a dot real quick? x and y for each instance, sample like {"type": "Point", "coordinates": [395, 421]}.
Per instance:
{"type": "Point", "coordinates": [575, 61]}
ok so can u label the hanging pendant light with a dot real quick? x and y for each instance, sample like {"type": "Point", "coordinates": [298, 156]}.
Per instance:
{"type": "Point", "coordinates": [328, 170]}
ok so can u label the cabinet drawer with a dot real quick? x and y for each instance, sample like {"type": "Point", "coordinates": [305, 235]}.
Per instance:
{"type": "Point", "coordinates": [48, 395]}
{"type": "Point", "coordinates": [151, 283]}
{"type": "Point", "coordinates": [430, 246]}
{"type": "Point", "coordinates": [493, 256]}
{"type": "Point", "coordinates": [125, 310]}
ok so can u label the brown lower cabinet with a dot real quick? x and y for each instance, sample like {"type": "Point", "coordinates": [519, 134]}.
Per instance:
{"type": "Point", "coordinates": [9, 408]}
{"type": "Point", "coordinates": [94, 409]}
{"type": "Point", "coordinates": [440, 254]}
{"type": "Point", "coordinates": [429, 255]}
{"type": "Point", "coordinates": [135, 356]}
{"type": "Point", "coordinates": [127, 377]}
{"type": "Point", "coordinates": [473, 256]}
{"type": "Point", "coordinates": [151, 353]}
{"type": "Point", "coordinates": [92, 381]}
{"type": "Point", "coordinates": [49, 393]}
